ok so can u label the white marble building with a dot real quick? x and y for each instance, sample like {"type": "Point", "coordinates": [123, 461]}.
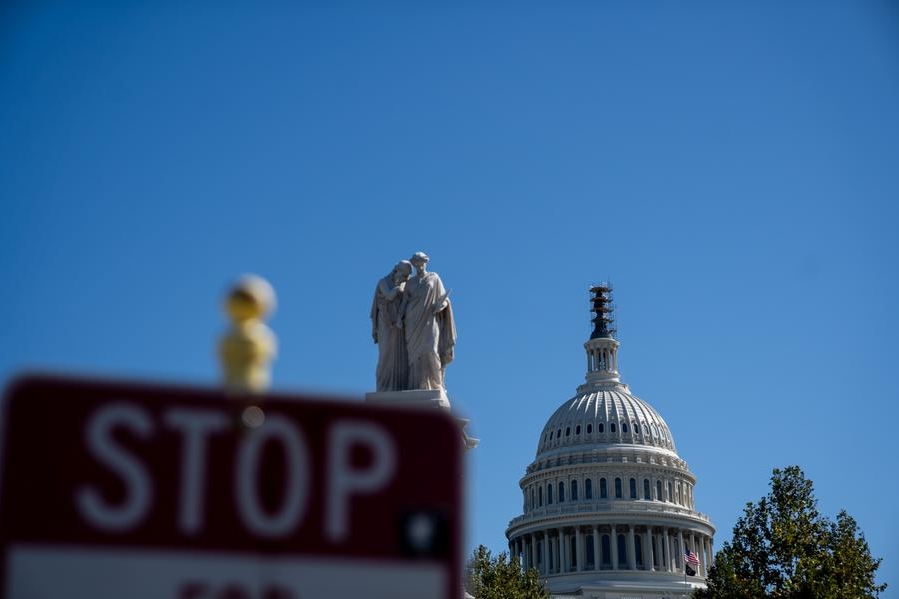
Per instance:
{"type": "Point", "coordinates": [608, 504]}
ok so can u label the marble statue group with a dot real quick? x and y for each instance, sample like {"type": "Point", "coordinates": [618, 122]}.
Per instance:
{"type": "Point", "coordinates": [412, 323]}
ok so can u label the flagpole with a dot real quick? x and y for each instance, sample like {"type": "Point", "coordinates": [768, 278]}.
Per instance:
{"type": "Point", "coordinates": [690, 560]}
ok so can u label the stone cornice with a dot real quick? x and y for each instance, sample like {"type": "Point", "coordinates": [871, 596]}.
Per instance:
{"type": "Point", "coordinates": [649, 516]}
{"type": "Point", "coordinates": [621, 452]}
{"type": "Point", "coordinates": [607, 470]}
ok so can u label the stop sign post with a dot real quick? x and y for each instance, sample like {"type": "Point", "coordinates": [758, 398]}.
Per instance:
{"type": "Point", "coordinates": [112, 489]}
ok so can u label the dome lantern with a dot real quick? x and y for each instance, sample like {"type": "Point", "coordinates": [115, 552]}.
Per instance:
{"type": "Point", "coordinates": [602, 347]}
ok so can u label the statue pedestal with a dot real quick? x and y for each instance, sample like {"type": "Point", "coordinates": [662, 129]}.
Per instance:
{"type": "Point", "coordinates": [421, 398]}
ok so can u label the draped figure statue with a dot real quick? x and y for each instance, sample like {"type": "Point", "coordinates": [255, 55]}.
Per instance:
{"type": "Point", "coordinates": [393, 367]}
{"type": "Point", "coordinates": [427, 318]}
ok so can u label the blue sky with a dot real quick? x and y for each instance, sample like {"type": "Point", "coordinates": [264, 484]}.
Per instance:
{"type": "Point", "coordinates": [731, 167]}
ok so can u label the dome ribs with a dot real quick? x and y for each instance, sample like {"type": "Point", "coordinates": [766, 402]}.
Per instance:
{"type": "Point", "coordinates": [635, 422]}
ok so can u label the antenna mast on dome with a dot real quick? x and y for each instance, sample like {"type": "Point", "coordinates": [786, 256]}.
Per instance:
{"type": "Point", "coordinates": [602, 308]}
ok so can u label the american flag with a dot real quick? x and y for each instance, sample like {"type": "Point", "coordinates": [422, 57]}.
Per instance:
{"type": "Point", "coordinates": [691, 558]}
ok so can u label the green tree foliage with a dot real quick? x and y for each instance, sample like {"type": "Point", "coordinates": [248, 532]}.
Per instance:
{"type": "Point", "coordinates": [783, 548]}
{"type": "Point", "coordinates": [500, 577]}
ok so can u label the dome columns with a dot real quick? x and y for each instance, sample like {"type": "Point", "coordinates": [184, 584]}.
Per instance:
{"type": "Point", "coordinates": [579, 551]}
{"type": "Point", "coordinates": [614, 543]}
{"type": "Point", "coordinates": [544, 564]}
{"type": "Point", "coordinates": [602, 360]}
{"type": "Point", "coordinates": [586, 548]}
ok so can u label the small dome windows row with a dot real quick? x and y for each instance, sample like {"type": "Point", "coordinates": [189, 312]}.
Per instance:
{"type": "Point", "coordinates": [650, 429]}
{"type": "Point", "coordinates": [679, 492]}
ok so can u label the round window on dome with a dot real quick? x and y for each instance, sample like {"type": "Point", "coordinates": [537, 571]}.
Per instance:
{"type": "Point", "coordinates": [577, 430]}
{"type": "Point", "coordinates": [567, 431]}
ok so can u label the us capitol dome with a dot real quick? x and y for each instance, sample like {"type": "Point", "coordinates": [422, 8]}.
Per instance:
{"type": "Point", "coordinates": [609, 509]}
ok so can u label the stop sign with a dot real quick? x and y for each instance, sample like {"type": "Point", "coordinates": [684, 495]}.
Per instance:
{"type": "Point", "coordinates": [112, 489]}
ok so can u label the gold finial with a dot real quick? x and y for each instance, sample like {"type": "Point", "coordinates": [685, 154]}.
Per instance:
{"type": "Point", "coordinates": [249, 346]}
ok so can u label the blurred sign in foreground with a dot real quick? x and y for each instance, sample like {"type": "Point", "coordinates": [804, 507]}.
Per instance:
{"type": "Point", "coordinates": [125, 490]}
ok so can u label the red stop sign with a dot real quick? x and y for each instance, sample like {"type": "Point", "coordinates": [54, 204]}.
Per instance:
{"type": "Point", "coordinates": [119, 489]}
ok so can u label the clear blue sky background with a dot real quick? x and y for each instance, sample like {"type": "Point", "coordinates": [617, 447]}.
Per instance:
{"type": "Point", "coordinates": [732, 167]}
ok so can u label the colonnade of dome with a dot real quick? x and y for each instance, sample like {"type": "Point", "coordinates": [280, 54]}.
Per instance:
{"type": "Point", "coordinates": [575, 548]}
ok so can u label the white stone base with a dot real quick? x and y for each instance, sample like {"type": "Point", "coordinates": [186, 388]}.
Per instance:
{"type": "Point", "coordinates": [422, 398]}
{"type": "Point", "coordinates": [469, 442]}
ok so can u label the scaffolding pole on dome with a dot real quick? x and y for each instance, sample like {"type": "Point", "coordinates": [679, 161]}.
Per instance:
{"type": "Point", "coordinates": [603, 309]}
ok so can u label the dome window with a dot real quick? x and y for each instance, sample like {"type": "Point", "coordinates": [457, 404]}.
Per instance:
{"type": "Point", "coordinates": [577, 430]}
{"type": "Point", "coordinates": [636, 429]}
{"type": "Point", "coordinates": [617, 488]}
{"type": "Point", "coordinates": [603, 489]}
{"type": "Point", "coordinates": [659, 491]}
{"type": "Point", "coordinates": [567, 431]}
{"type": "Point", "coordinates": [646, 493]}
{"type": "Point", "coordinates": [588, 489]}
{"type": "Point", "coordinates": [561, 492]}
{"type": "Point", "coordinates": [633, 488]}
{"type": "Point", "coordinates": [574, 490]}
{"type": "Point", "coordinates": [550, 435]}
{"type": "Point", "coordinates": [559, 434]}
{"type": "Point", "coordinates": [602, 427]}
{"type": "Point", "coordinates": [589, 428]}
{"type": "Point", "coordinates": [612, 427]}
{"type": "Point", "coordinates": [624, 427]}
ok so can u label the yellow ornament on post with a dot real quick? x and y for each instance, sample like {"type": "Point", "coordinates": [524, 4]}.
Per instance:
{"type": "Point", "coordinates": [248, 347]}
